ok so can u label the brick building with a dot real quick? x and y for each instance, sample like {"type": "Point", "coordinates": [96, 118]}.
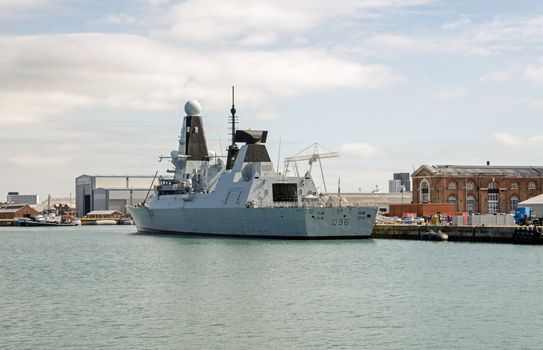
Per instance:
{"type": "Point", "coordinates": [12, 212]}
{"type": "Point", "coordinates": [478, 189]}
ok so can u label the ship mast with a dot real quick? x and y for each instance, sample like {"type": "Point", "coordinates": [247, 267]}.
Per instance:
{"type": "Point", "coordinates": [233, 119]}
{"type": "Point", "coordinates": [233, 148]}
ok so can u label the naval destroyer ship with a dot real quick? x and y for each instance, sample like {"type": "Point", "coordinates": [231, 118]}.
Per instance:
{"type": "Point", "coordinates": [243, 197]}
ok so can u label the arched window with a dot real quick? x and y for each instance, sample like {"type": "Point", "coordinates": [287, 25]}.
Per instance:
{"type": "Point", "coordinates": [470, 204]}
{"type": "Point", "coordinates": [424, 191]}
{"type": "Point", "coordinates": [452, 199]}
{"type": "Point", "coordinates": [514, 186]}
{"type": "Point", "coordinates": [493, 186]}
{"type": "Point", "coordinates": [470, 186]}
{"type": "Point", "coordinates": [514, 202]}
{"type": "Point", "coordinates": [452, 185]}
{"type": "Point", "coordinates": [531, 185]}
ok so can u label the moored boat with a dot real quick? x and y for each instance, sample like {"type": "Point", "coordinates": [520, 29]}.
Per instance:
{"type": "Point", "coordinates": [243, 196]}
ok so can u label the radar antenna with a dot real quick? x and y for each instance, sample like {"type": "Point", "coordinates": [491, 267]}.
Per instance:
{"type": "Point", "coordinates": [311, 154]}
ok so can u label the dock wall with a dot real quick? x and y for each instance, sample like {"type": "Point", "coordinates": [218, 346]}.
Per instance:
{"type": "Point", "coordinates": [491, 234]}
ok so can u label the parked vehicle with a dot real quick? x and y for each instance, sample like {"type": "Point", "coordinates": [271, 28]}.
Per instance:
{"type": "Point", "coordinates": [408, 221]}
{"type": "Point", "coordinates": [525, 216]}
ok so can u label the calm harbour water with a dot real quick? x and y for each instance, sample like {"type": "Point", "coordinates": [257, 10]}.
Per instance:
{"type": "Point", "coordinates": [104, 287]}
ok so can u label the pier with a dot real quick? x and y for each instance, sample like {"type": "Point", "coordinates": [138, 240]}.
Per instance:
{"type": "Point", "coordinates": [487, 234]}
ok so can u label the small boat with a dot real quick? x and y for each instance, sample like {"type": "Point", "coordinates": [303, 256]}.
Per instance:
{"type": "Point", "coordinates": [26, 222]}
{"type": "Point", "coordinates": [435, 236]}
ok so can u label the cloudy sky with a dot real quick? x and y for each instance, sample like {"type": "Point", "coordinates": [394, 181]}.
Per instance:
{"type": "Point", "coordinates": [91, 87]}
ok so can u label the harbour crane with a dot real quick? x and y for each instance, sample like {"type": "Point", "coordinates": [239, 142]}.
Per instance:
{"type": "Point", "coordinates": [312, 154]}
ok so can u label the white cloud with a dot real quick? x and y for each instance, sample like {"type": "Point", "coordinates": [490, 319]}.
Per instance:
{"type": "Point", "coordinates": [461, 22]}
{"type": "Point", "coordinates": [536, 102]}
{"type": "Point", "coordinates": [17, 7]}
{"type": "Point", "coordinates": [512, 140]}
{"type": "Point", "coordinates": [507, 139]}
{"type": "Point", "coordinates": [360, 149]}
{"type": "Point", "coordinates": [37, 160]}
{"type": "Point", "coordinates": [118, 18]}
{"type": "Point", "coordinates": [464, 36]}
{"type": "Point", "coordinates": [238, 20]}
{"type": "Point", "coordinates": [496, 76]}
{"type": "Point", "coordinates": [534, 72]}
{"type": "Point", "coordinates": [260, 39]}
{"type": "Point", "coordinates": [47, 75]}
{"type": "Point", "coordinates": [449, 93]}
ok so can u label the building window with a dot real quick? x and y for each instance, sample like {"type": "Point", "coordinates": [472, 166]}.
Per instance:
{"type": "Point", "coordinates": [452, 185]}
{"type": "Point", "coordinates": [493, 203]}
{"type": "Point", "coordinates": [493, 198]}
{"type": "Point", "coordinates": [470, 186]}
{"type": "Point", "coordinates": [514, 186]}
{"type": "Point", "coordinates": [514, 202]}
{"type": "Point", "coordinates": [531, 185]}
{"type": "Point", "coordinates": [470, 204]}
{"type": "Point", "coordinates": [452, 199]}
{"type": "Point", "coordinates": [425, 191]}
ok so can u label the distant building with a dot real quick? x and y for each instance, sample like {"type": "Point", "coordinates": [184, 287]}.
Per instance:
{"type": "Point", "coordinates": [12, 212]}
{"type": "Point", "coordinates": [380, 200]}
{"type": "Point", "coordinates": [394, 186]}
{"type": "Point", "coordinates": [405, 180]}
{"type": "Point", "coordinates": [100, 192]}
{"type": "Point", "coordinates": [479, 189]}
{"type": "Point", "coordinates": [536, 203]}
{"type": "Point", "coordinates": [16, 198]}
{"type": "Point", "coordinates": [105, 214]}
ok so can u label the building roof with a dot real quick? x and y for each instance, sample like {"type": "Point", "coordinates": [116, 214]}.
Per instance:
{"type": "Point", "coordinates": [3, 210]}
{"type": "Point", "coordinates": [12, 206]}
{"type": "Point", "coordinates": [122, 188]}
{"type": "Point", "coordinates": [476, 170]}
{"type": "Point", "coordinates": [533, 200]}
{"type": "Point", "coordinates": [118, 176]}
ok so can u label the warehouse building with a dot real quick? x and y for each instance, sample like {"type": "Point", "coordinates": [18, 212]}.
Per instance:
{"type": "Point", "coordinates": [379, 200]}
{"type": "Point", "coordinates": [12, 212]}
{"type": "Point", "coordinates": [536, 203]}
{"type": "Point", "coordinates": [477, 189]}
{"type": "Point", "coordinates": [101, 192]}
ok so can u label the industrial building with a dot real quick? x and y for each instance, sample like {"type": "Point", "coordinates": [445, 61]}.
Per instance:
{"type": "Point", "coordinates": [12, 212]}
{"type": "Point", "coordinates": [16, 198]}
{"type": "Point", "coordinates": [536, 204]}
{"type": "Point", "coordinates": [477, 189]}
{"type": "Point", "coordinates": [380, 200]}
{"type": "Point", "coordinates": [106, 192]}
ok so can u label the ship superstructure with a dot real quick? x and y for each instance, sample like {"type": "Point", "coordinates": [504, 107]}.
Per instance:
{"type": "Point", "coordinates": [244, 196]}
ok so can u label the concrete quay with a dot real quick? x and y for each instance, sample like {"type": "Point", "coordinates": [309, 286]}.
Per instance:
{"type": "Point", "coordinates": [488, 234]}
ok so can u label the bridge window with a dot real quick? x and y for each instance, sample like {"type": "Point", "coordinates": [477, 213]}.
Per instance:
{"type": "Point", "coordinates": [285, 192]}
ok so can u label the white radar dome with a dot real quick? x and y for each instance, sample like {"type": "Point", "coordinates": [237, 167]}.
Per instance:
{"type": "Point", "coordinates": [193, 108]}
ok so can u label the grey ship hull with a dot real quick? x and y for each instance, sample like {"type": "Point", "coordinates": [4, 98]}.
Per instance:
{"type": "Point", "coordinates": [294, 223]}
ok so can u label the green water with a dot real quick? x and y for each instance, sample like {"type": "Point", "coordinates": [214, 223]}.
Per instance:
{"type": "Point", "coordinates": [103, 287]}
